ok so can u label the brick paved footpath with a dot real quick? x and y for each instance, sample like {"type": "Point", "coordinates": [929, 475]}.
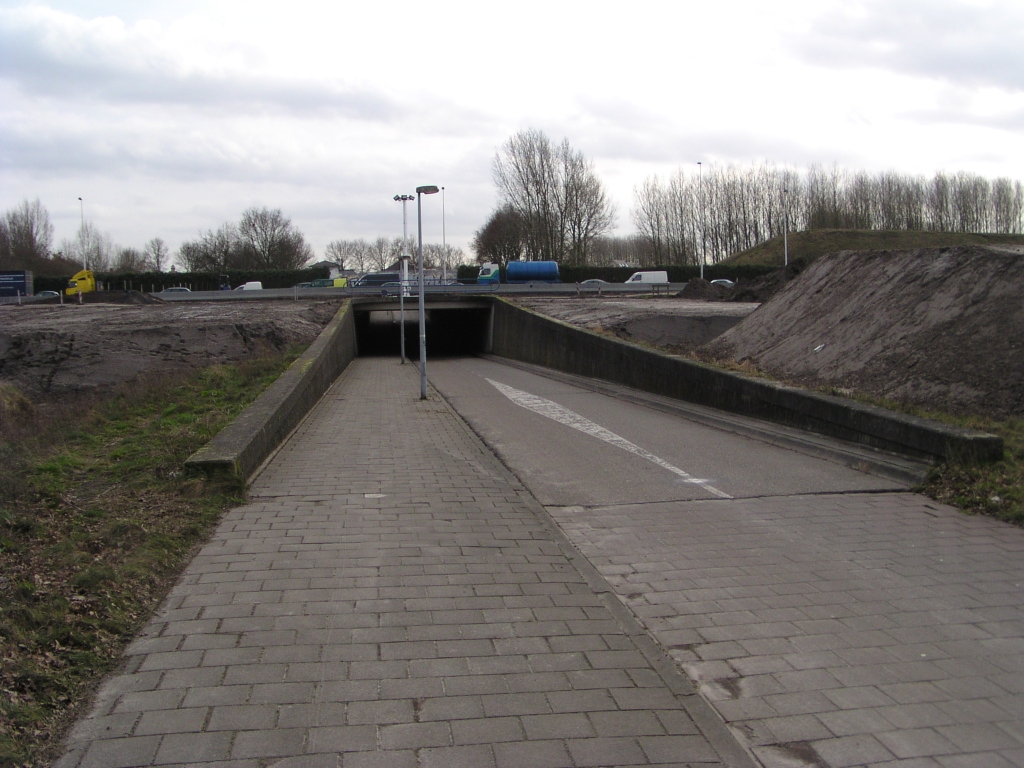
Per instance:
{"type": "Point", "coordinates": [841, 630]}
{"type": "Point", "coordinates": [393, 597]}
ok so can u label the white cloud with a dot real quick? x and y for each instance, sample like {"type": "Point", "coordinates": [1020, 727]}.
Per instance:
{"type": "Point", "coordinates": [973, 44]}
{"type": "Point", "coordinates": [171, 117]}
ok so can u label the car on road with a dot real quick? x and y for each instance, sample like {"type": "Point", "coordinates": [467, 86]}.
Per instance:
{"type": "Point", "coordinates": [47, 295]}
{"type": "Point", "coordinates": [377, 278]}
{"type": "Point", "coordinates": [724, 283]}
{"type": "Point", "coordinates": [176, 289]}
{"type": "Point", "coordinates": [594, 282]}
{"type": "Point", "coordinates": [252, 285]}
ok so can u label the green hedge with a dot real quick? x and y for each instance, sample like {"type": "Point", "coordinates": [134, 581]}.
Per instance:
{"type": "Point", "coordinates": [198, 281]}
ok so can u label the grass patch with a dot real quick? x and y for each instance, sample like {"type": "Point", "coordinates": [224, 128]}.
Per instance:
{"type": "Point", "coordinates": [97, 519]}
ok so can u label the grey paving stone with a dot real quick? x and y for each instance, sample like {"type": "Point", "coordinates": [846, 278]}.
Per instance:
{"type": "Point", "coordinates": [440, 623]}
{"type": "Point", "coordinates": [121, 753]}
{"type": "Point", "coordinates": [193, 748]}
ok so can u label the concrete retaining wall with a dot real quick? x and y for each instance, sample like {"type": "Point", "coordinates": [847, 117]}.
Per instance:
{"type": "Point", "coordinates": [241, 447]}
{"type": "Point", "coordinates": [523, 335]}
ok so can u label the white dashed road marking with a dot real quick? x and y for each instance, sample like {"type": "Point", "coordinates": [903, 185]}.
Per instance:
{"type": "Point", "coordinates": [562, 415]}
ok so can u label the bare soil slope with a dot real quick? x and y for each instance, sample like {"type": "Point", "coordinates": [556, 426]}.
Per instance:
{"type": "Point", "coordinates": [677, 325]}
{"type": "Point", "coordinates": [56, 350]}
{"type": "Point", "coordinates": [940, 328]}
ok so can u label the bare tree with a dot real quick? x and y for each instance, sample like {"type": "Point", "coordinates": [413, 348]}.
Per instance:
{"type": "Point", "coordinates": [91, 248]}
{"type": "Point", "coordinates": [267, 240]}
{"type": "Point", "coordinates": [335, 252]}
{"type": "Point", "coordinates": [156, 254]}
{"type": "Point", "coordinates": [215, 251]}
{"type": "Point", "coordinates": [502, 239]}
{"type": "Point", "coordinates": [130, 260]}
{"type": "Point", "coordinates": [27, 236]}
{"type": "Point", "coordinates": [556, 192]}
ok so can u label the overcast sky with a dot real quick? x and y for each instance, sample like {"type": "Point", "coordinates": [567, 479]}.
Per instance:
{"type": "Point", "coordinates": [168, 118]}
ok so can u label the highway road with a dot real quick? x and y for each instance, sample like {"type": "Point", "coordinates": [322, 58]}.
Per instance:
{"type": "Point", "coordinates": [572, 446]}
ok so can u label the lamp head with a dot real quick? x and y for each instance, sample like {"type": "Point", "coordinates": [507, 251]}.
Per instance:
{"type": "Point", "coordinates": [427, 190]}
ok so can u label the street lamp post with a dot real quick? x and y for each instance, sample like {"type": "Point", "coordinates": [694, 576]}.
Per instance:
{"type": "Point", "coordinates": [420, 191]}
{"type": "Point", "coordinates": [703, 238]}
{"type": "Point", "coordinates": [785, 227]}
{"type": "Point", "coordinates": [444, 244]}
{"type": "Point", "coordinates": [82, 205]}
{"type": "Point", "coordinates": [403, 199]}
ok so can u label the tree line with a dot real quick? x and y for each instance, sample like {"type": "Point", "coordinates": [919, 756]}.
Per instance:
{"type": "Point", "coordinates": [552, 207]}
{"type": "Point", "coordinates": [262, 239]}
{"type": "Point", "coordinates": [727, 210]}
{"type": "Point", "coordinates": [376, 255]}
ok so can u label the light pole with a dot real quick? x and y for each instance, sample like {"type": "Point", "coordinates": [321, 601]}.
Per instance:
{"type": "Point", "coordinates": [82, 205]}
{"type": "Point", "coordinates": [785, 230]}
{"type": "Point", "coordinates": [420, 191]}
{"type": "Point", "coordinates": [703, 240]}
{"type": "Point", "coordinates": [444, 244]}
{"type": "Point", "coordinates": [403, 199]}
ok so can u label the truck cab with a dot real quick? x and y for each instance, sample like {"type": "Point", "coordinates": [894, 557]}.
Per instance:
{"type": "Point", "coordinates": [490, 274]}
{"type": "Point", "coordinates": [81, 282]}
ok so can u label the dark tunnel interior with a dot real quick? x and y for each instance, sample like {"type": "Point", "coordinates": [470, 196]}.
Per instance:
{"type": "Point", "coordinates": [450, 332]}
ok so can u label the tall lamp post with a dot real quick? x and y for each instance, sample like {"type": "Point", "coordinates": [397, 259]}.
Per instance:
{"type": "Point", "coordinates": [703, 238]}
{"type": "Point", "coordinates": [82, 206]}
{"type": "Point", "coordinates": [403, 199]}
{"type": "Point", "coordinates": [785, 228]}
{"type": "Point", "coordinates": [420, 191]}
{"type": "Point", "coordinates": [444, 244]}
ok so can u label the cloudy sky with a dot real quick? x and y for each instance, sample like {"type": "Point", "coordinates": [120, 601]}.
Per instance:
{"type": "Point", "coordinates": [168, 118]}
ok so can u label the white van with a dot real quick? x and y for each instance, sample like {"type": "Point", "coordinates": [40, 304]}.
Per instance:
{"type": "Point", "coordinates": [646, 278]}
{"type": "Point", "coordinates": [252, 285]}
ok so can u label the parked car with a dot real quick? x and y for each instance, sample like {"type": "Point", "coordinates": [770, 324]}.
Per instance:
{"type": "Point", "coordinates": [47, 295]}
{"type": "Point", "coordinates": [723, 282]}
{"type": "Point", "coordinates": [176, 289]}
{"type": "Point", "coordinates": [594, 282]}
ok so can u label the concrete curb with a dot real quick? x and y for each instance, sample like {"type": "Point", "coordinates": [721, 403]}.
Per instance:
{"type": "Point", "coordinates": [521, 334]}
{"type": "Point", "coordinates": [242, 446]}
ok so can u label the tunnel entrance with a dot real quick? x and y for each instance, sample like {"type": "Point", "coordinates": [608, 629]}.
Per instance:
{"type": "Point", "coordinates": [454, 329]}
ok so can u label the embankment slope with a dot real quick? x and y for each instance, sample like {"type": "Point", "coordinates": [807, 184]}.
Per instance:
{"type": "Point", "coordinates": [938, 328]}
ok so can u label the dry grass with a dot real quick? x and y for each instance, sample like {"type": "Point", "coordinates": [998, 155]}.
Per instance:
{"type": "Point", "coordinates": [97, 519]}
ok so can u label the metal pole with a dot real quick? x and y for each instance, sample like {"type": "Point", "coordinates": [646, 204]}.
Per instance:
{"type": "Point", "coordinates": [82, 204]}
{"type": "Point", "coordinates": [404, 273]}
{"type": "Point", "coordinates": [423, 316]}
{"type": "Point", "coordinates": [703, 241]}
{"type": "Point", "coordinates": [444, 244]}
{"type": "Point", "coordinates": [420, 191]}
{"type": "Point", "coordinates": [785, 230]}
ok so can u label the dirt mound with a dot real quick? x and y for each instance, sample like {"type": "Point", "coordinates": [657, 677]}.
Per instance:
{"type": "Point", "coordinates": [57, 350]}
{"type": "Point", "coordinates": [120, 297]}
{"type": "Point", "coordinates": [763, 288]}
{"type": "Point", "coordinates": [674, 325]}
{"type": "Point", "coordinates": [701, 290]}
{"type": "Point", "coordinates": [941, 328]}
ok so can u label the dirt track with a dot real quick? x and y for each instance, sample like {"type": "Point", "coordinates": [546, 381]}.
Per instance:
{"type": "Point", "coordinates": [938, 328]}
{"type": "Point", "coordinates": [55, 350]}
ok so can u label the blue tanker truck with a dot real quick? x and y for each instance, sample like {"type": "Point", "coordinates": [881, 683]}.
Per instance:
{"type": "Point", "coordinates": [520, 272]}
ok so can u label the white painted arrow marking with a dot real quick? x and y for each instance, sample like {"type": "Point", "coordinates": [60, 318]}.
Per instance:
{"type": "Point", "coordinates": [562, 415]}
